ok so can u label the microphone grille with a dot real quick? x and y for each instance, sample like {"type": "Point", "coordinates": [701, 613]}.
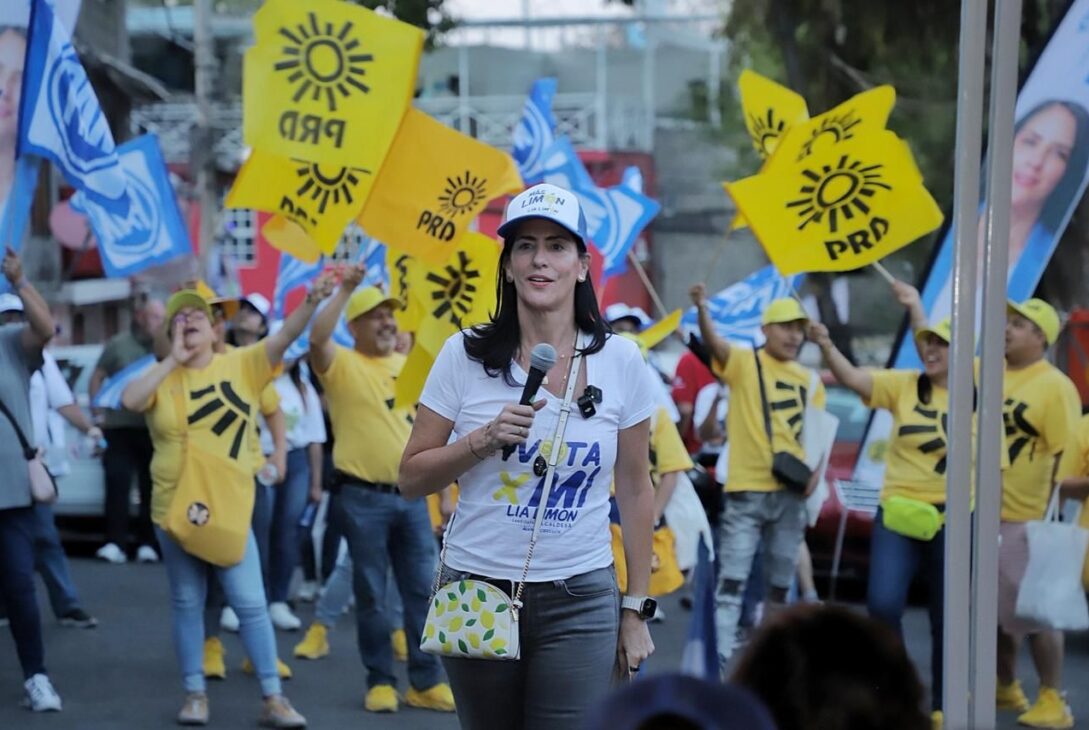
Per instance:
{"type": "Point", "coordinates": [542, 357]}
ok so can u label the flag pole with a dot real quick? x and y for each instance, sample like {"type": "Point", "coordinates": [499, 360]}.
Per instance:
{"type": "Point", "coordinates": [658, 304]}
{"type": "Point", "coordinates": [884, 272]}
{"type": "Point", "coordinates": [721, 246]}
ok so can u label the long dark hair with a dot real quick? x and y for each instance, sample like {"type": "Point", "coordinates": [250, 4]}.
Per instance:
{"type": "Point", "coordinates": [1057, 204]}
{"type": "Point", "coordinates": [495, 343]}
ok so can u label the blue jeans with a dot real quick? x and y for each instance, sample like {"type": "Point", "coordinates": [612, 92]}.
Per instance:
{"type": "Point", "coordinates": [894, 562]}
{"type": "Point", "coordinates": [17, 587]}
{"type": "Point", "coordinates": [385, 530]}
{"type": "Point", "coordinates": [52, 563]}
{"type": "Point", "coordinates": [568, 637]}
{"type": "Point", "coordinates": [188, 577]}
{"type": "Point", "coordinates": [276, 523]}
{"type": "Point", "coordinates": [334, 596]}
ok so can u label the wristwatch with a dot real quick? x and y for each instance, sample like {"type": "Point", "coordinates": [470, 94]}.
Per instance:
{"type": "Point", "coordinates": [643, 606]}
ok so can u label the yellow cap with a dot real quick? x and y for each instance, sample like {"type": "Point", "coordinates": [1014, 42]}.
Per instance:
{"type": "Point", "coordinates": [942, 330]}
{"type": "Point", "coordinates": [1041, 314]}
{"type": "Point", "coordinates": [180, 300]}
{"type": "Point", "coordinates": [230, 306]}
{"type": "Point", "coordinates": [367, 299]}
{"type": "Point", "coordinates": [787, 309]}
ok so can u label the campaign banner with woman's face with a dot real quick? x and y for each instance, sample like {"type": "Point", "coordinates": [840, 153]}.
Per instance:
{"type": "Point", "coordinates": [1050, 174]}
{"type": "Point", "coordinates": [17, 177]}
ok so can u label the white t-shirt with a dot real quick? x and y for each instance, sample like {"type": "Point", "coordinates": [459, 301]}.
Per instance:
{"type": "Point", "coordinates": [49, 391]}
{"type": "Point", "coordinates": [305, 426]}
{"type": "Point", "coordinates": [701, 409]}
{"type": "Point", "coordinates": [497, 499]}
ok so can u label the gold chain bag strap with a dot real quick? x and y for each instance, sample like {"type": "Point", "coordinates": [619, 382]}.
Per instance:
{"type": "Point", "coordinates": [474, 619]}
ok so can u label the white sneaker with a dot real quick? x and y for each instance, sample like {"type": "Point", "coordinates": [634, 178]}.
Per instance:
{"type": "Point", "coordinates": [228, 620]}
{"type": "Point", "coordinates": [111, 553]}
{"type": "Point", "coordinates": [40, 695]}
{"type": "Point", "coordinates": [147, 554]}
{"type": "Point", "coordinates": [282, 617]}
{"type": "Point", "coordinates": [308, 591]}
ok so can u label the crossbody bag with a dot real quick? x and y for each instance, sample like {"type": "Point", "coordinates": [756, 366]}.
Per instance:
{"type": "Point", "coordinates": [43, 487]}
{"type": "Point", "coordinates": [790, 471]}
{"type": "Point", "coordinates": [472, 618]}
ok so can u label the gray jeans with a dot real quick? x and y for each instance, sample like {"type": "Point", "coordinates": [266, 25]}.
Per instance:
{"type": "Point", "coordinates": [568, 633]}
{"type": "Point", "coordinates": [776, 519]}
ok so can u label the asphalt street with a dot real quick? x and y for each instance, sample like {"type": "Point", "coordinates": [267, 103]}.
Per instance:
{"type": "Point", "coordinates": [123, 674]}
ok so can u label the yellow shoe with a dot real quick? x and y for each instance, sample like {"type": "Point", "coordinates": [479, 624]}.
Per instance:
{"type": "Point", "coordinates": [282, 669]}
{"type": "Point", "coordinates": [438, 698]}
{"type": "Point", "coordinates": [937, 719]}
{"type": "Point", "coordinates": [1050, 711]}
{"type": "Point", "coordinates": [400, 645]}
{"type": "Point", "coordinates": [214, 653]}
{"type": "Point", "coordinates": [1011, 697]}
{"type": "Point", "coordinates": [315, 644]}
{"type": "Point", "coordinates": [381, 698]}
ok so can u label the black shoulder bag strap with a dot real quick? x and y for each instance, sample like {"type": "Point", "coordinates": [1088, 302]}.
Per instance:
{"type": "Point", "coordinates": [28, 451]}
{"type": "Point", "coordinates": [763, 397]}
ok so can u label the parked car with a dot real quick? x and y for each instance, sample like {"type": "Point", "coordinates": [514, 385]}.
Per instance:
{"type": "Point", "coordinates": [82, 489]}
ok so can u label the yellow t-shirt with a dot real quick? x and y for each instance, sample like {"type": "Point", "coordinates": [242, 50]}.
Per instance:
{"type": "Point", "coordinates": [787, 386]}
{"type": "Point", "coordinates": [1040, 413]}
{"type": "Point", "coordinates": [1075, 459]}
{"type": "Point", "coordinates": [370, 434]}
{"type": "Point", "coordinates": [916, 459]}
{"type": "Point", "coordinates": [220, 417]}
{"type": "Point", "coordinates": [667, 451]}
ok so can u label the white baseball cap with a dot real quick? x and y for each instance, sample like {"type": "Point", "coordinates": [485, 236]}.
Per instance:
{"type": "Point", "coordinates": [549, 202]}
{"type": "Point", "coordinates": [258, 302]}
{"type": "Point", "coordinates": [619, 310]}
{"type": "Point", "coordinates": [10, 303]}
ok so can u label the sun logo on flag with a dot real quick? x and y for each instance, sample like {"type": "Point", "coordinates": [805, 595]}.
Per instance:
{"type": "Point", "coordinates": [335, 183]}
{"type": "Point", "coordinates": [837, 191]}
{"type": "Point", "coordinates": [462, 194]}
{"type": "Point", "coordinates": [766, 132]}
{"type": "Point", "coordinates": [454, 293]}
{"type": "Point", "coordinates": [835, 128]}
{"type": "Point", "coordinates": [322, 62]}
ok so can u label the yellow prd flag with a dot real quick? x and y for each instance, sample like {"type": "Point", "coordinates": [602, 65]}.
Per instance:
{"type": "Point", "coordinates": [770, 109]}
{"type": "Point", "coordinates": [327, 81]}
{"type": "Point", "coordinates": [434, 182]}
{"type": "Point", "coordinates": [400, 266]}
{"type": "Point", "coordinates": [458, 294]}
{"type": "Point", "coordinates": [843, 207]}
{"type": "Point", "coordinates": [321, 199]}
{"type": "Point", "coordinates": [410, 383]}
{"type": "Point", "coordinates": [290, 238]}
{"type": "Point", "coordinates": [652, 336]}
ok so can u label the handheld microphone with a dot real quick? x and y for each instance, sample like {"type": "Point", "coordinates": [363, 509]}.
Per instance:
{"type": "Point", "coordinates": [541, 360]}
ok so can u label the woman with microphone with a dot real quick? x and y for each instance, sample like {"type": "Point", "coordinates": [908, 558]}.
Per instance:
{"type": "Point", "coordinates": [472, 428]}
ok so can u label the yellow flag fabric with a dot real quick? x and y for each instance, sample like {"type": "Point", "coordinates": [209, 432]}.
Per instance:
{"type": "Point", "coordinates": [321, 199]}
{"type": "Point", "coordinates": [399, 265]}
{"type": "Point", "coordinates": [290, 238]}
{"type": "Point", "coordinates": [434, 182]}
{"type": "Point", "coordinates": [327, 81]}
{"type": "Point", "coordinates": [843, 207]}
{"type": "Point", "coordinates": [770, 109]}
{"type": "Point", "coordinates": [410, 383]}
{"type": "Point", "coordinates": [652, 336]}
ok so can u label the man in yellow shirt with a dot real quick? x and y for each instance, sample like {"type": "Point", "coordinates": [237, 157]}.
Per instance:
{"type": "Point", "coordinates": [769, 393]}
{"type": "Point", "coordinates": [1041, 412]}
{"type": "Point", "coordinates": [381, 527]}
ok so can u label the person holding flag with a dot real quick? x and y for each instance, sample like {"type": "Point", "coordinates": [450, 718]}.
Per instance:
{"type": "Point", "coordinates": [1041, 411]}
{"type": "Point", "coordinates": [770, 391]}
{"type": "Point", "coordinates": [908, 532]}
{"type": "Point", "coordinates": [194, 379]}
{"type": "Point", "coordinates": [382, 529]}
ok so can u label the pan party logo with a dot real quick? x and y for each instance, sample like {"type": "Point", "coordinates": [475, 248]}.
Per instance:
{"type": "Point", "coordinates": [767, 130]}
{"type": "Point", "coordinates": [455, 292]}
{"type": "Point", "coordinates": [840, 194]}
{"type": "Point", "coordinates": [324, 63]}
{"type": "Point", "coordinates": [461, 196]}
{"type": "Point", "coordinates": [333, 185]}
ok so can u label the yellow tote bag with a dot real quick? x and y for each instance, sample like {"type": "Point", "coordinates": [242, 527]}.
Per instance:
{"type": "Point", "coordinates": [665, 575]}
{"type": "Point", "coordinates": [212, 508]}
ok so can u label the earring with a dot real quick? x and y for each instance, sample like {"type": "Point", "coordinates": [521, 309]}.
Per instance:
{"type": "Point", "coordinates": [582, 278]}
{"type": "Point", "coordinates": [510, 279]}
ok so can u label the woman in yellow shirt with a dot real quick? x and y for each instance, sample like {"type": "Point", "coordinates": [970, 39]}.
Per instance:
{"type": "Point", "coordinates": [197, 399]}
{"type": "Point", "coordinates": [914, 474]}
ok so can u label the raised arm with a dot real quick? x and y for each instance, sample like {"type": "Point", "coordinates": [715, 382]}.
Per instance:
{"type": "Point", "coordinates": [322, 347]}
{"type": "Point", "coordinates": [39, 322]}
{"type": "Point", "coordinates": [276, 345]}
{"type": "Point", "coordinates": [857, 379]}
{"type": "Point", "coordinates": [909, 298]}
{"type": "Point", "coordinates": [716, 345]}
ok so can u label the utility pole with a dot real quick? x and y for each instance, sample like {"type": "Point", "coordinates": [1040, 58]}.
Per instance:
{"type": "Point", "coordinates": [202, 152]}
